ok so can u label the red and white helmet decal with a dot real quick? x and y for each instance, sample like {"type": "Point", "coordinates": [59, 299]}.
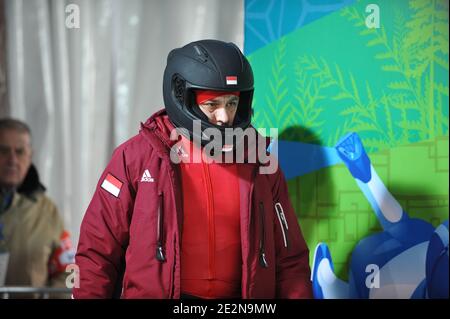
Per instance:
{"type": "Point", "coordinates": [231, 80]}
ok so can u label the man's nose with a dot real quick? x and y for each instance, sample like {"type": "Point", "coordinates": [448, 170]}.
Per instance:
{"type": "Point", "coordinates": [12, 157]}
{"type": "Point", "coordinates": [222, 116]}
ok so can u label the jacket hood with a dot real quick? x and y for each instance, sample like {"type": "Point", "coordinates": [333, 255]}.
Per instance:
{"type": "Point", "coordinates": [160, 124]}
{"type": "Point", "coordinates": [156, 131]}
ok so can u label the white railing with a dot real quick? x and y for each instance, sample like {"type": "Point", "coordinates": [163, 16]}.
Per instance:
{"type": "Point", "coordinates": [33, 292]}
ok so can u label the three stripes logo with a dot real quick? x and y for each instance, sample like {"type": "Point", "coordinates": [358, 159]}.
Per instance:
{"type": "Point", "coordinates": [146, 177]}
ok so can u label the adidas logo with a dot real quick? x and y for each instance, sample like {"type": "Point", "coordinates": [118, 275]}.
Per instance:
{"type": "Point", "coordinates": [146, 177]}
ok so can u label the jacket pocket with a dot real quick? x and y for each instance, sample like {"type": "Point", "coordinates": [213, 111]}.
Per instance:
{"type": "Point", "coordinates": [160, 230]}
{"type": "Point", "coordinates": [283, 223]}
{"type": "Point", "coordinates": [262, 252]}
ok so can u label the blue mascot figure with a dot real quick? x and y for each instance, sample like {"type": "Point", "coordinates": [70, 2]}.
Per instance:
{"type": "Point", "coordinates": [408, 259]}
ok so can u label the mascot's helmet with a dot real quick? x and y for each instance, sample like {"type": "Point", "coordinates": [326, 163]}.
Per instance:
{"type": "Point", "coordinates": [206, 65]}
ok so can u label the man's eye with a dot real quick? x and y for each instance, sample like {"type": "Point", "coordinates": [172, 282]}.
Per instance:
{"type": "Point", "coordinates": [4, 150]}
{"type": "Point", "coordinates": [209, 106]}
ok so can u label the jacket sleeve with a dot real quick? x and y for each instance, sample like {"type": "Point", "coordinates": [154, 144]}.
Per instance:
{"type": "Point", "coordinates": [292, 262]}
{"type": "Point", "coordinates": [104, 232]}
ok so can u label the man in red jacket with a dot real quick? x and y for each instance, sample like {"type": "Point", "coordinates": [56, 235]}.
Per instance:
{"type": "Point", "coordinates": [174, 217]}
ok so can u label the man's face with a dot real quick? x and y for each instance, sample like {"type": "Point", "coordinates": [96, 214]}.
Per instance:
{"type": "Point", "coordinates": [15, 157]}
{"type": "Point", "coordinates": [221, 110]}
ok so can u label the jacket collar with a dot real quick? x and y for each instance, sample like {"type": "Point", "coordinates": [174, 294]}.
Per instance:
{"type": "Point", "coordinates": [31, 183]}
{"type": "Point", "coordinates": [160, 125]}
{"type": "Point", "coordinates": [157, 130]}
{"type": "Point", "coordinates": [30, 188]}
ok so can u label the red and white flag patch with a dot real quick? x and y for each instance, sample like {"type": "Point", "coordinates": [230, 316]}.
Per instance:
{"type": "Point", "coordinates": [231, 80]}
{"type": "Point", "coordinates": [112, 185]}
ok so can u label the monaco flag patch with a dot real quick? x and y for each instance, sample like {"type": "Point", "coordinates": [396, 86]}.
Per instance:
{"type": "Point", "coordinates": [231, 80]}
{"type": "Point", "coordinates": [112, 185]}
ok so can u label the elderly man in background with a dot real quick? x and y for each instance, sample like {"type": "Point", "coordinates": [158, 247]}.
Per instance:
{"type": "Point", "coordinates": [38, 248]}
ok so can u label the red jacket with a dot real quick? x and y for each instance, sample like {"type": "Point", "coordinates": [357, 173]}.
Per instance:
{"type": "Point", "coordinates": [211, 239]}
{"type": "Point", "coordinates": [139, 222]}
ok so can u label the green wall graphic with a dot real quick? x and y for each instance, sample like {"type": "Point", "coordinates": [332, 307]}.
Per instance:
{"type": "Point", "coordinates": [390, 85]}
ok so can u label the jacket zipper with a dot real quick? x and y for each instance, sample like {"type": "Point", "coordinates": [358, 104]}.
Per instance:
{"type": "Point", "coordinates": [262, 253]}
{"type": "Point", "coordinates": [251, 211]}
{"type": "Point", "coordinates": [160, 230]}
{"type": "Point", "coordinates": [174, 174]}
{"type": "Point", "coordinates": [283, 223]}
{"type": "Point", "coordinates": [210, 218]}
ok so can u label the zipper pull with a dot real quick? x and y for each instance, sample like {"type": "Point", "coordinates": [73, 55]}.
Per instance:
{"type": "Point", "coordinates": [160, 254]}
{"type": "Point", "coordinates": [280, 210]}
{"type": "Point", "coordinates": [262, 260]}
{"type": "Point", "coordinates": [283, 223]}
